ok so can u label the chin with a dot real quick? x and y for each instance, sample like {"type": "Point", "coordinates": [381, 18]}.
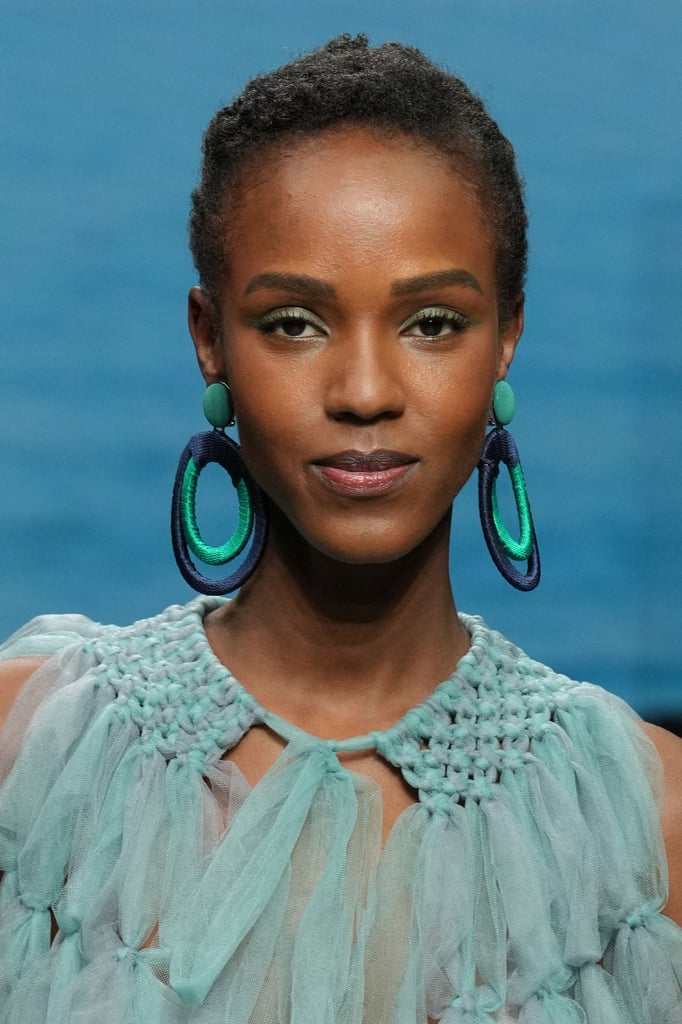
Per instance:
{"type": "Point", "coordinates": [382, 549]}
{"type": "Point", "coordinates": [354, 541]}
{"type": "Point", "coordinates": [370, 557]}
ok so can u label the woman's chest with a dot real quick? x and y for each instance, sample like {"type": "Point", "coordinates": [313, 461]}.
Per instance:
{"type": "Point", "coordinates": [260, 748]}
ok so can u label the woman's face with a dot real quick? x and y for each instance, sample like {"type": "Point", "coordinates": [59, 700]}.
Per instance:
{"type": "Point", "coordinates": [359, 335]}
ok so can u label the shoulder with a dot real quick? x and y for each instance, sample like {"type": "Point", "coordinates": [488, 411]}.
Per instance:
{"type": "Point", "coordinates": [26, 650]}
{"type": "Point", "coordinates": [80, 641]}
{"type": "Point", "coordinates": [602, 728]}
{"type": "Point", "coordinates": [669, 749]}
{"type": "Point", "coordinates": [76, 647]}
{"type": "Point", "coordinates": [13, 674]}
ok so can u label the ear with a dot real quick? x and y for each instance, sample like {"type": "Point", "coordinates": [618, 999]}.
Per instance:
{"type": "Point", "coordinates": [509, 338]}
{"type": "Point", "coordinates": [202, 323]}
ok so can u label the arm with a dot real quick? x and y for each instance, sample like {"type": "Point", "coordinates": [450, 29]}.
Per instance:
{"type": "Point", "coordinates": [13, 675]}
{"type": "Point", "coordinates": [669, 749]}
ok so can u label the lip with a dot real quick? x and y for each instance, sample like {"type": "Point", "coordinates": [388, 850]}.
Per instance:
{"type": "Point", "coordinates": [368, 474]}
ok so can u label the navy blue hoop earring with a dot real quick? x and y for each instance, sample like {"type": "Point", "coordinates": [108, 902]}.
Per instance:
{"type": "Point", "coordinates": [500, 447]}
{"type": "Point", "coordinates": [203, 448]}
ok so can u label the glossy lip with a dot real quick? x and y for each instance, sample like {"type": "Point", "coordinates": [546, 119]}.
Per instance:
{"type": "Point", "coordinates": [367, 474]}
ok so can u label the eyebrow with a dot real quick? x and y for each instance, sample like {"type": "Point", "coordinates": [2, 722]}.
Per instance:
{"type": "Point", "coordinates": [313, 286]}
{"type": "Point", "coordinates": [297, 283]}
{"type": "Point", "coordinates": [439, 279]}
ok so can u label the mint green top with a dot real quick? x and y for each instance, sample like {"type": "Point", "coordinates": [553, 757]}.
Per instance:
{"type": "Point", "coordinates": [146, 883]}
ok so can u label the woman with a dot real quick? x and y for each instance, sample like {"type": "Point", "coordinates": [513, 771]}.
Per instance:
{"type": "Point", "coordinates": [339, 836]}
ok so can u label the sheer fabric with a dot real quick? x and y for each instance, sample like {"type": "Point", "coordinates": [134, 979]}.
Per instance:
{"type": "Point", "coordinates": [145, 883]}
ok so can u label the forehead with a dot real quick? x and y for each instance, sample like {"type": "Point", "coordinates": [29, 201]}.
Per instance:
{"type": "Point", "coordinates": [353, 195]}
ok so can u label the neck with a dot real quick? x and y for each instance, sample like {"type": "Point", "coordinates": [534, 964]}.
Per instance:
{"type": "Point", "coordinates": [338, 634]}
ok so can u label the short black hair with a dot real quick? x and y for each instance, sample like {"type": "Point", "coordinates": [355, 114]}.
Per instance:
{"type": "Point", "coordinates": [391, 87]}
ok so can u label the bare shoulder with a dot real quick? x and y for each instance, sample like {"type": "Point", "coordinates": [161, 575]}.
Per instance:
{"type": "Point", "coordinates": [669, 749]}
{"type": "Point", "coordinates": [13, 674]}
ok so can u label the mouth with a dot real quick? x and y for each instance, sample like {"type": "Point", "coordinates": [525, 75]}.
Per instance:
{"type": "Point", "coordinates": [368, 474]}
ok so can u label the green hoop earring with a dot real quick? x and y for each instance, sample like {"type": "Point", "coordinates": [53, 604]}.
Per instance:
{"type": "Point", "coordinates": [208, 553]}
{"type": "Point", "coordinates": [500, 447]}
{"type": "Point", "coordinates": [519, 550]}
{"type": "Point", "coordinates": [203, 448]}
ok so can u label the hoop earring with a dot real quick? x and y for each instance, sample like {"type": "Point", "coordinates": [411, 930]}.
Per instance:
{"type": "Point", "coordinates": [500, 447]}
{"type": "Point", "coordinates": [201, 449]}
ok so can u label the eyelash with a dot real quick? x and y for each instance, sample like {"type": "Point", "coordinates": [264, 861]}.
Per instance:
{"type": "Point", "coordinates": [457, 321]}
{"type": "Point", "coordinates": [297, 314]}
{"type": "Point", "coordinates": [287, 315]}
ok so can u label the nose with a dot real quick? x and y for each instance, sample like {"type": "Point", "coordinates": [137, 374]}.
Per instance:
{"type": "Point", "coordinates": [365, 378]}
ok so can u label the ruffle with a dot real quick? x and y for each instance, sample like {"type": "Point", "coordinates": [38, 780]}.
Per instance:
{"type": "Point", "coordinates": [522, 886]}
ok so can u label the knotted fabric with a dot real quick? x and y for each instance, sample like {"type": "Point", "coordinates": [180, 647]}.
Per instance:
{"type": "Point", "coordinates": [144, 882]}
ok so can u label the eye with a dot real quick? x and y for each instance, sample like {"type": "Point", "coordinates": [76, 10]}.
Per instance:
{"type": "Point", "coordinates": [435, 322]}
{"type": "Point", "coordinates": [292, 322]}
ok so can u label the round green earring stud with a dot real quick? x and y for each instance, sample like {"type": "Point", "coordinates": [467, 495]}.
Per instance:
{"type": "Point", "coordinates": [218, 406]}
{"type": "Point", "coordinates": [504, 403]}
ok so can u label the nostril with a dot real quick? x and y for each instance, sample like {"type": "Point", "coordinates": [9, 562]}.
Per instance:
{"type": "Point", "coordinates": [365, 398]}
{"type": "Point", "coordinates": [348, 416]}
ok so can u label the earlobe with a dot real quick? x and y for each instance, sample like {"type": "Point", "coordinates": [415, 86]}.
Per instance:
{"type": "Point", "coordinates": [201, 321]}
{"type": "Point", "coordinates": [510, 336]}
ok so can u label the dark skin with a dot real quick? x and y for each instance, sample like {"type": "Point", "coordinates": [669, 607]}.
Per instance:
{"type": "Point", "coordinates": [367, 576]}
{"type": "Point", "coordinates": [370, 622]}
{"type": "Point", "coordinates": [390, 338]}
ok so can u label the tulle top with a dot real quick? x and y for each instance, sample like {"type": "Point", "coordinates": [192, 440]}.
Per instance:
{"type": "Point", "coordinates": [146, 883]}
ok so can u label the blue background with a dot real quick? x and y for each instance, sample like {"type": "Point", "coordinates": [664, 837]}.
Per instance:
{"type": "Point", "coordinates": [103, 105]}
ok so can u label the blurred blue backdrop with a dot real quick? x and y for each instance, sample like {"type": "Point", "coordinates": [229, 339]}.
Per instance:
{"type": "Point", "coordinates": [102, 110]}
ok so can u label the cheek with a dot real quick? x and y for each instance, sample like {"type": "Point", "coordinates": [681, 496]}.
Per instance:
{"type": "Point", "coordinates": [460, 455]}
{"type": "Point", "coordinates": [270, 434]}
{"type": "Point", "coordinates": [459, 435]}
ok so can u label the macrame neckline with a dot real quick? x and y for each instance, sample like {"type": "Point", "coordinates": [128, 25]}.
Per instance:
{"type": "Point", "coordinates": [438, 700]}
{"type": "Point", "coordinates": [475, 726]}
